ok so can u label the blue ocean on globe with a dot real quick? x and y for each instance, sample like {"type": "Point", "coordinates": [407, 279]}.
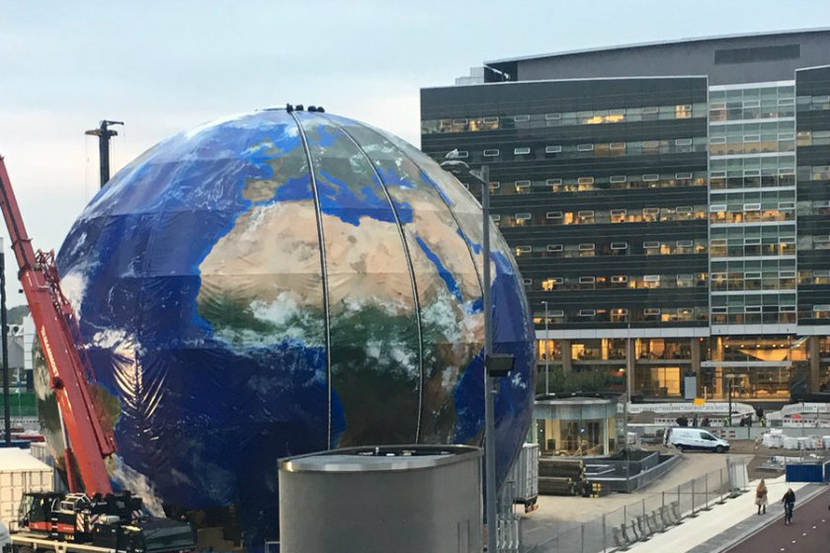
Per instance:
{"type": "Point", "coordinates": [278, 283]}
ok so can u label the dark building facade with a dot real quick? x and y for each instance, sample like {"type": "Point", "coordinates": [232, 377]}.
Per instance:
{"type": "Point", "coordinates": [668, 207]}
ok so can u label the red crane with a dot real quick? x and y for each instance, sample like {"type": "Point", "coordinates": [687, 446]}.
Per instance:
{"type": "Point", "coordinates": [59, 335]}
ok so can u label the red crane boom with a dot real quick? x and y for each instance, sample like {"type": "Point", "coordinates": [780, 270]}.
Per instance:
{"type": "Point", "coordinates": [58, 332]}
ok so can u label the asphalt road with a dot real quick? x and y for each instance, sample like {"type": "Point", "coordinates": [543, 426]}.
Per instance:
{"type": "Point", "coordinates": [809, 532]}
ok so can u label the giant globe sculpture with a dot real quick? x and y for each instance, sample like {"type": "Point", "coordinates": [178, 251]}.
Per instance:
{"type": "Point", "coordinates": [278, 283]}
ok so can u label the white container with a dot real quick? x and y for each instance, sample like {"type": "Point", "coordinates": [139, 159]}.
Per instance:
{"type": "Point", "coordinates": [808, 442]}
{"type": "Point", "coordinates": [20, 473]}
{"type": "Point", "coordinates": [525, 475]}
{"type": "Point", "coordinates": [41, 452]}
{"type": "Point", "coordinates": [790, 442]}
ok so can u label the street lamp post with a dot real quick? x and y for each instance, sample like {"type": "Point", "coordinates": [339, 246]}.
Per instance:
{"type": "Point", "coordinates": [547, 352]}
{"type": "Point", "coordinates": [457, 166]}
{"type": "Point", "coordinates": [729, 409]}
{"type": "Point", "coordinates": [4, 328]}
{"type": "Point", "coordinates": [729, 380]}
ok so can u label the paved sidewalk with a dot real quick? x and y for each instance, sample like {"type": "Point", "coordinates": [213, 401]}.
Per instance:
{"type": "Point", "coordinates": [720, 527]}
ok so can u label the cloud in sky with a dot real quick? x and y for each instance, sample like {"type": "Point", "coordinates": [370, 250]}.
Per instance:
{"type": "Point", "coordinates": [166, 66]}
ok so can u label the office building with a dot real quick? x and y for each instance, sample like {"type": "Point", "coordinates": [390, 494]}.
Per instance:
{"type": "Point", "coordinates": [669, 207]}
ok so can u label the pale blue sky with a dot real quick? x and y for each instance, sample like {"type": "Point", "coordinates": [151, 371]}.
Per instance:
{"type": "Point", "coordinates": [166, 66]}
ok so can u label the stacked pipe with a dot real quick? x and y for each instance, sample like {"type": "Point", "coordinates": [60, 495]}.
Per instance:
{"type": "Point", "coordinates": [562, 477]}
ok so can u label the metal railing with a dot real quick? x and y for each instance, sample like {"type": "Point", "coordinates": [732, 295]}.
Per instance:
{"type": "Point", "coordinates": [508, 539]}
{"type": "Point", "coordinates": [639, 521]}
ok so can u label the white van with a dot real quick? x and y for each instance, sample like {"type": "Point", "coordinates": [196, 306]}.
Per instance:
{"type": "Point", "coordinates": [694, 438]}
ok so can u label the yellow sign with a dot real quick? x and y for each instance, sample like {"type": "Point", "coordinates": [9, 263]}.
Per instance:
{"type": "Point", "coordinates": [700, 401]}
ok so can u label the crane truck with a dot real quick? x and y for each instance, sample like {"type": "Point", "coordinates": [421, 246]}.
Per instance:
{"type": "Point", "coordinates": [91, 518]}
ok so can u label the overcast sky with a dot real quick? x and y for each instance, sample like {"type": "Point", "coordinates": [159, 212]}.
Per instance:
{"type": "Point", "coordinates": [166, 66]}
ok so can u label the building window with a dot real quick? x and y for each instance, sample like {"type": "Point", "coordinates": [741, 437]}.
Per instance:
{"type": "Point", "coordinates": [527, 281]}
{"type": "Point", "coordinates": [493, 152]}
{"type": "Point", "coordinates": [521, 118]}
{"type": "Point", "coordinates": [521, 218]}
{"type": "Point", "coordinates": [618, 179]}
{"type": "Point", "coordinates": [651, 281]}
{"type": "Point", "coordinates": [685, 280]}
{"type": "Point", "coordinates": [521, 151]}
{"type": "Point", "coordinates": [523, 249]}
{"type": "Point", "coordinates": [462, 154]}
{"type": "Point", "coordinates": [554, 149]}
{"type": "Point", "coordinates": [585, 147]}
{"type": "Point", "coordinates": [617, 216]}
{"type": "Point", "coordinates": [554, 215]}
{"type": "Point", "coordinates": [554, 248]}
{"type": "Point", "coordinates": [685, 246]}
{"type": "Point", "coordinates": [587, 312]}
{"type": "Point", "coordinates": [619, 315]}
{"type": "Point", "coordinates": [522, 185]}
{"type": "Point", "coordinates": [587, 282]}
{"type": "Point", "coordinates": [585, 216]}
{"type": "Point", "coordinates": [551, 283]}
{"type": "Point", "coordinates": [586, 250]}
{"type": "Point", "coordinates": [619, 245]}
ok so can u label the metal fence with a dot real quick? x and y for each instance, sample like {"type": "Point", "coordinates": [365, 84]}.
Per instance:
{"type": "Point", "coordinates": [509, 523]}
{"type": "Point", "coordinates": [638, 521]}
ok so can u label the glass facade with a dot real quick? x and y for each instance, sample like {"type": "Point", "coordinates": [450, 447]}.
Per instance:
{"type": "Point", "coordinates": [750, 251]}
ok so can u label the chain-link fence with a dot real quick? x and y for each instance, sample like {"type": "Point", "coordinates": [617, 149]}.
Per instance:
{"type": "Point", "coordinates": [639, 520]}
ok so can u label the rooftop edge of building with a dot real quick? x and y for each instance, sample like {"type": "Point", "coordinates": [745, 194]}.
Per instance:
{"type": "Point", "coordinates": [658, 43]}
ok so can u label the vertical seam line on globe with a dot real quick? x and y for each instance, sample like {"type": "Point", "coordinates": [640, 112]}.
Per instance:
{"type": "Point", "coordinates": [444, 200]}
{"type": "Point", "coordinates": [430, 181]}
{"type": "Point", "coordinates": [411, 271]}
{"type": "Point", "coordinates": [323, 268]}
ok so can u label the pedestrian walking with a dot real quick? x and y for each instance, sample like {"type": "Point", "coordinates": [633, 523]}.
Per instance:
{"type": "Point", "coordinates": [761, 497]}
{"type": "Point", "coordinates": [789, 504]}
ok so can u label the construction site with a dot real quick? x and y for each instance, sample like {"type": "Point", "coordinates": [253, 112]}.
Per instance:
{"type": "Point", "coordinates": [276, 279]}
{"type": "Point", "coordinates": [96, 468]}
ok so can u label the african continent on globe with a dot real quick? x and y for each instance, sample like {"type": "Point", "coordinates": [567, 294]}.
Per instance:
{"type": "Point", "coordinates": [278, 283]}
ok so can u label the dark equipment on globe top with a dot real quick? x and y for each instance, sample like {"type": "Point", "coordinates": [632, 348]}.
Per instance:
{"type": "Point", "coordinates": [90, 514]}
